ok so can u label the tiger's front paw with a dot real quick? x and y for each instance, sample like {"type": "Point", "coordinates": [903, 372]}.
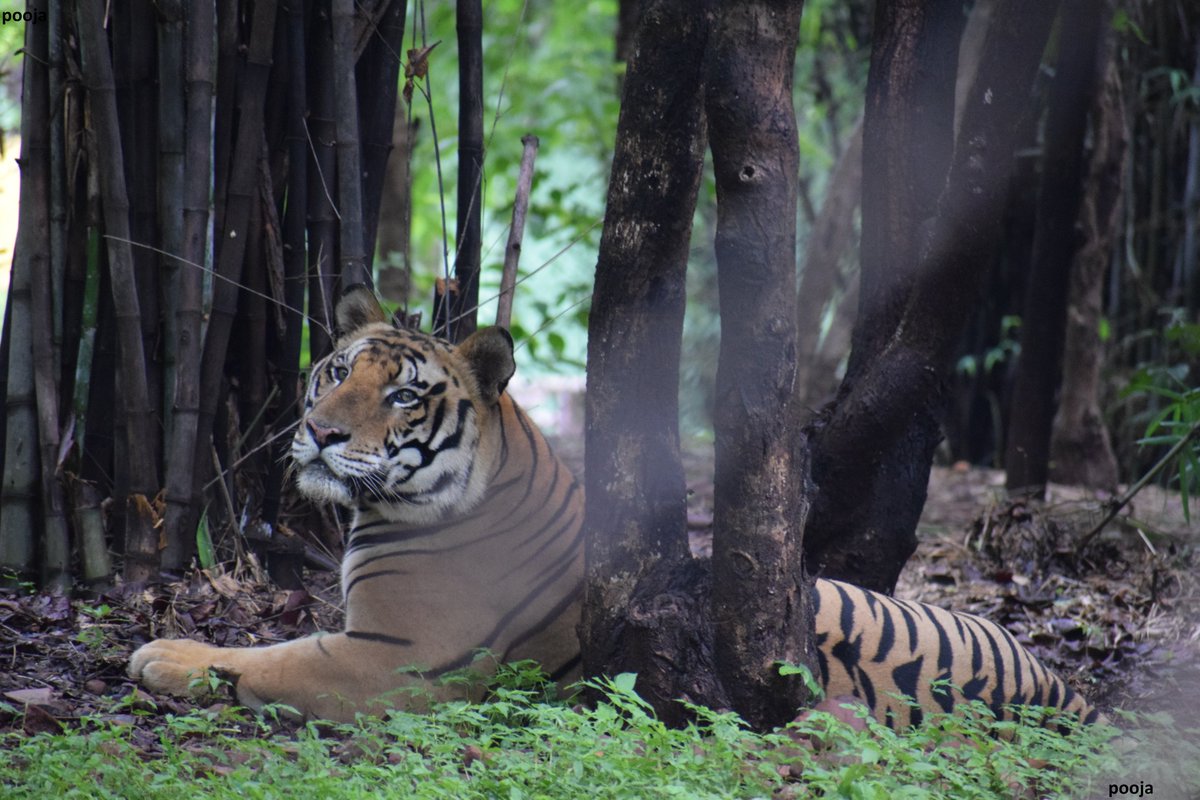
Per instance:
{"type": "Point", "coordinates": [172, 666]}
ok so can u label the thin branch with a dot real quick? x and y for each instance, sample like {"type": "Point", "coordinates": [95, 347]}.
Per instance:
{"type": "Point", "coordinates": [1115, 506]}
{"type": "Point", "coordinates": [512, 250]}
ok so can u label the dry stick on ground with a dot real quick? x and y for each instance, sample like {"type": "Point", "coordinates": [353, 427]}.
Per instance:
{"type": "Point", "coordinates": [141, 541]}
{"type": "Point", "coordinates": [1115, 506]}
{"type": "Point", "coordinates": [512, 250]}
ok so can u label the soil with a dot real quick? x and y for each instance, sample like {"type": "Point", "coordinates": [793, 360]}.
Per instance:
{"type": "Point", "coordinates": [1119, 619]}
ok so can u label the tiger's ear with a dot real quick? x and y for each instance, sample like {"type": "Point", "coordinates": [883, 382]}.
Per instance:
{"type": "Point", "coordinates": [357, 309]}
{"type": "Point", "coordinates": [489, 352]}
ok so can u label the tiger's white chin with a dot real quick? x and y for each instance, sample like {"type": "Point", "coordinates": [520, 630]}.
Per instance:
{"type": "Point", "coordinates": [317, 482]}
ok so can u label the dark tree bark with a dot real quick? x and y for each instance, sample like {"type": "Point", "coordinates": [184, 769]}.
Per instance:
{"type": "Point", "coordinates": [908, 139]}
{"type": "Point", "coordinates": [629, 14]}
{"type": "Point", "coordinates": [636, 513]}
{"type": "Point", "coordinates": [1027, 457]}
{"type": "Point", "coordinates": [872, 450]}
{"type": "Point", "coordinates": [761, 606]}
{"type": "Point", "coordinates": [1080, 449]}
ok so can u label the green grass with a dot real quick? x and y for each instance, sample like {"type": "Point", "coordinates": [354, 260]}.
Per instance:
{"type": "Point", "coordinates": [517, 746]}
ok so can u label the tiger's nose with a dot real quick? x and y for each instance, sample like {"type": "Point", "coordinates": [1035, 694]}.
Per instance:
{"type": "Point", "coordinates": [324, 436]}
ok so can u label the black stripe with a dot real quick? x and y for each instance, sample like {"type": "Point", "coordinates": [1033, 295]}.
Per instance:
{"type": "Point", "coordinates": [554, 613]}
{"type": "Point", "coordinates": [368, 576]}
{"type": "Point", "coordinates": [381, 638]}
{"type": "Point", "coordinates": [945, 662]}
{"type": "Point", "coordinates": [559, 569]}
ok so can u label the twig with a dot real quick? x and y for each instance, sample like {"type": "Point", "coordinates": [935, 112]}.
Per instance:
{"type": "Point", "coordinates": [1115, 506]}
{"type": "Point", "coordinates": [512, 250]}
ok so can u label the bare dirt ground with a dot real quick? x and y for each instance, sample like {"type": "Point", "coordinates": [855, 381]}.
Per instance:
{"type": "Point", "coordinates": [1121, 619]}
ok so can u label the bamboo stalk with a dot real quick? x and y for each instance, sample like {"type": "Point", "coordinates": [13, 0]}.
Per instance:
{"type": "Point", "coordinates": [352, 260]}
{"type": "Point", "coordinates": [232, 243]}
{"type": "Point", "coordinates": [35, 214]}
{"type": "Point", "coordinates": [58, 184]}
{"type": "Point", "coordinates": [18, 517]}
{"type": "Point", "coordinates": [70, 105]}
{"type": "Point", "coordinates": [295, 212]}
{"type": "Point", "coordinates": [377, 76]}
{"type": "Point", "coordinates": [141, 543]}
{"type": "Point", "coordinates": [132, 33]}
{"type": "Point", "coordinates": [171, 146]}
{"type": "Point", "coordinates": [182, 504]}
{"type": "Point", "coordinates": [89, 527]}
{"type": "Point", "coordinates": [469, 244]}
{"type": "Point", "coordinates": [516, 233]}
{"type": "Point", "coordinates": [322, 217]}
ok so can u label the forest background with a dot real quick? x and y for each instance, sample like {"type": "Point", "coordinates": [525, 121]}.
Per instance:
{"type": "Point", "coordinates": [550, 69]}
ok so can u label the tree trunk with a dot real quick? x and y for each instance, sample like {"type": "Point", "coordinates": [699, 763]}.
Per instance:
{"type": "Point", "coordinates": [873, 449]}
{"type": "Point", "coordinates": [636, 512]}
{"type": "Point", "coordinates": [1027, 458]}
{"type": "Point", "coordinates": [1080, 450]}
{"type": "Point", "coordinates": [761, 606]}
{"type": "Point", "coordinates": [908, 139]}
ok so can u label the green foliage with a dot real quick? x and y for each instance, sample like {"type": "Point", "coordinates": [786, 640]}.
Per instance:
{"type": "Point", "coordinates": [1003, 352]}
{"type": "Point", "coordinates": [1171, 400]}
{"type": "Point", "coordinates": [548, 70]}
{"type": "Point", "coordinates": [518, 747]}
{"type": "Point", "coordinates": [205, 553]}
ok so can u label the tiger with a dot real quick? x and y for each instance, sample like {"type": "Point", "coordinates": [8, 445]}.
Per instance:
{"type": "Point", "coordinates": [467, 535]}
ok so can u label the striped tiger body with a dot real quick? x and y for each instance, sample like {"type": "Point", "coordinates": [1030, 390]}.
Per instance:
{"type": "Point", "coordinates": [468, 534]}
{"type": "Point", "coordinates": [876, 647]}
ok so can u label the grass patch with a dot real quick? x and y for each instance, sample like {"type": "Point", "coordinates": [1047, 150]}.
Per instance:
{"type": "Point", "coordinates": [519, 746]}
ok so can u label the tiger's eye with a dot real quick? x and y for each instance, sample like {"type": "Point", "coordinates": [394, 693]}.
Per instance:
{"type": "Point", "coordinates": [402, 397]}
{"type": "Point", "coordinates": [340, 372]}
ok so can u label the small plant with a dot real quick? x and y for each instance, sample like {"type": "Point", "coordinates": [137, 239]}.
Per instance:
{"type": "Point", "coordinates": [1176, 423]}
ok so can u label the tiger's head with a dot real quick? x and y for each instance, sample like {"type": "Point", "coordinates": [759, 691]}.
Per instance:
{"type": "Point", "coordinates": [401, 422]}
